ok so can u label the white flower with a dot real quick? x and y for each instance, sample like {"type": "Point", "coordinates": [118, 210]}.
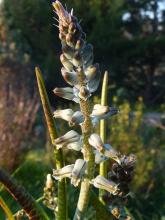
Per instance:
{"type": "Point", "coordinates": [105, 149]}
{"type": "Point", "coordinates": [96, 142]}
{"type": "Point", "coordinates": [93, 83]}
{"type": "Point", "coordinates": [78, 171]}
{"type": "Point", "coordinates": [69, 137]}
{"type": "Point", "coordinates": [67, 93]}
{"type": "Point", "coordinates": [102, 183]}
{"type": "Point", "coordinates": [65, 114]}
{"type": "Point", "coordinates": [77, 118]}
{"type": "Point", "coordinates": [66, 63]}
{"type": "Point", "coordinates": [102, 112]}
{"type": "Point", "coordinates": [70, 77]}
{"type": "Point", "coordinates": [63, 172]}
{"type": "Point", "coordinates": [99, 110]}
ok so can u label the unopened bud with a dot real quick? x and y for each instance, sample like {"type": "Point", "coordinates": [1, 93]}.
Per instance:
{"type": "Point", "coordinates": [66, 63]}
{"type": "Point", "coordinates": [79, 44]}
{"type": "Point", "coordinates": [49, 181]}
{"type": "Point", "coordinates": [68, 52]}
{"type": "Point", "coordinates": [77, 61]}
{"type": "Point", "coordinates": [84, 93]}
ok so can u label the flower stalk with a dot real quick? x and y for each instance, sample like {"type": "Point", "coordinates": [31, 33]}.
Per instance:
{"type": "Point", "coordinates": [62, 201]}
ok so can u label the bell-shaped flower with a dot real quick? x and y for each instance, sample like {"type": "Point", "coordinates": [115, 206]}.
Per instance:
{"type": "Point", "coordinates": [102, 183]}
{"type": "Point", "coordinates": [65, 114]}
{"type": "Point", "coordinates": [102, 112]}
{"type": "Point", "coordinates": [67, 93]}
{"type": "Point", "coordinates": [63, 172]}
{"type": "Point", "coordinates": [105, 149]}
{"type": "Point", "coordinates": [78, 171]}
{"type": "Point", "coordinates": [70, 77]}
{"type": "Point", "coordinates": [69, 137]}
{"type": "Point", "coordinates": [99, 158]}
{"type": "Point", "coordinates": [96, 142]}
{"type": "Point", "coordinates": [77, 118]}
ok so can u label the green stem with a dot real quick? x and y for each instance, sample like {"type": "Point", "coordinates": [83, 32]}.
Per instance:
{"type": "Point", "coordinates": [6, 209]}
{"type": "Point", "coordinates": [104, 95]}
{"type": "Point", "coordinates": [62, 201]}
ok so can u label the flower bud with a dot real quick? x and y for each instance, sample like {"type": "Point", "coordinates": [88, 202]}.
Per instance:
{"type": "Point", "coordinates": [70, 77]}
{"type": "Point", "coordinates": [79, 44]}
{"type": "Point", "coordinates": [49, 182]}
{"type": "Point", "coordinates": [66, 63]}
{"type": "Point", "coordinates": [66, 93]}
{"type": "Point", "coordinates": [65, 114]}
{"type": "Point", "coordinates": [63, 172]}
{"type": "Point", "coordinates": [70, 40]}
{"type": "Point", "coordinates": [77, 118]}
{"type": "Point", "coordinates": [61, 12]}
{"type": "Point", "coordinates": [77, 61]}
{"type": "Point", "coordinates": [72, 28]}
{"type": "Point", "coordinates": [78, 171]}
{"type": "Point", "coordinates": [84, 93]}
{"type": "Point", "coordinates": [100, 110]}
{"type": "Point", "coordinates": [68, 52]}
{"type": "Point", "coordinates": [96, 142]}
{"type": "Point", "coordinates": [91, 71]}
{"type": "Point", "coordinates": [102, 183]}
{"type": "Point", "coordinates": [69, 137]}
{"type": "Point", "coordinates": [93, 84]}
